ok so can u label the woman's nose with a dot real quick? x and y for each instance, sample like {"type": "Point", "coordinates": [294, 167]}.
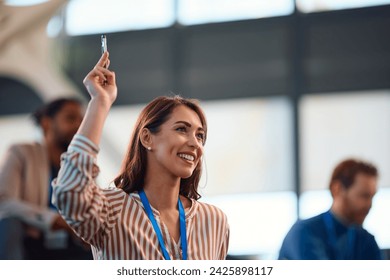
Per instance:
{"type": "Point", "coordinates": [194, 142]}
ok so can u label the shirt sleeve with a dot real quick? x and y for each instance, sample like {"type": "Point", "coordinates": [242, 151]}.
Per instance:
{"type": "Point", "coordinates": [83, 205]}
{"type": "Point", "coordinates": [225, 234]}
{"type": "Point", "coordinates": [225, 244]}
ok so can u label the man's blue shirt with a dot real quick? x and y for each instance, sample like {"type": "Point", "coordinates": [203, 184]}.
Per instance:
{"type": "Point", "coordinates": [323, 237]}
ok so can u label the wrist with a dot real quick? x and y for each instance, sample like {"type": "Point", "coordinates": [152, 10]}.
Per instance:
{"type": "Point", "coordinates": [101, 102]}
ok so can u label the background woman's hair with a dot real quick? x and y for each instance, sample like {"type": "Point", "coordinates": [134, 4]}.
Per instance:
{"type": "Point", "coordinates": [51, 109]}
{"type": "Point", "coordinates": [132, 173]}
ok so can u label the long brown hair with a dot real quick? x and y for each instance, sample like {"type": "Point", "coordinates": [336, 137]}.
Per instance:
{"type": "Point", "coordinates": [132, 173]}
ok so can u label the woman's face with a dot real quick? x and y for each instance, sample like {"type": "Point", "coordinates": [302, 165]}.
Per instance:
{"type": "Point", "coordinates": [178, 146]}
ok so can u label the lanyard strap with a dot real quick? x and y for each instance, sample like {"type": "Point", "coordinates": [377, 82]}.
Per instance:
{"type": "Point", "coordinates": [183, 234]}
{"type": "Point", "coordinates": [183, 230]}
{"type": "Point", "coordinates": [351, 236]}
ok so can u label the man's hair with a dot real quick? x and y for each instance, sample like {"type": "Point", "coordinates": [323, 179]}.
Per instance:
{"type": "Point", "coordinates": [52, 108]}
{"type": "Point", "coordinates": [346, 171]}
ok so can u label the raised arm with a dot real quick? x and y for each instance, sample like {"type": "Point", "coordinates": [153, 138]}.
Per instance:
{"type": "Point", "coordinates": [85, 207]}
{"type": "Point", "coordinates": [101, 85]}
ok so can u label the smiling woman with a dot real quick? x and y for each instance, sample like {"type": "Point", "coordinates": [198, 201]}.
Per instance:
{"type": "Point", "coordinates": [153, 212]}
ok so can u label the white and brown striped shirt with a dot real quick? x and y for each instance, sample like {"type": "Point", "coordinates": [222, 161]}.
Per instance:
{"type": "Point", "coordinates": [115, 223]}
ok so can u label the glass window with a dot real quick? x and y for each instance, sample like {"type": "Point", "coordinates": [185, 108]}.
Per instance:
{"type": "Point", "coordinates": [375, 222]}
{"type": "Point", "coordinates": [312, 203]}
{"type": "Point", "coordinates": [248, 147]}
{"type": "Point", "coordinates": [205, 11]}
{"type": "Point", "coordinates": [91, 16]}
{"type": "Point", "coordinates": [337, 126]}
{"type": "Point", "coordinates": [308, 6]}
{"type": "Point", "coordinates": [258, 221]}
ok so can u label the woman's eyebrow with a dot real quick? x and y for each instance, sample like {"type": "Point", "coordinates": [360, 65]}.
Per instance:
{"type": "Point", "coordinates": [188, 124]}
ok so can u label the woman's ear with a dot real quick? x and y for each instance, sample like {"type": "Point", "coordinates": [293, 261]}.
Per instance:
{"type": "Point", "coordinates": [146, 138]}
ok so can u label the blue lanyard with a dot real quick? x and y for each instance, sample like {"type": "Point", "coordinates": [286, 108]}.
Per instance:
{"type": "Point", "coordinates": [351, 236]}
{"type": "Point", "coordinates": [183, 234]}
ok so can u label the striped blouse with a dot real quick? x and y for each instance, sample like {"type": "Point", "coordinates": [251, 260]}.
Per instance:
{"type": "Point", "coordinates": [115, 223]}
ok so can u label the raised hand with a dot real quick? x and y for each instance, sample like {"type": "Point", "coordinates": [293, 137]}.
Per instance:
{"type": "Point", "coordinates": [101, 85]}
{"type": "Point", "coordinates": [100, 82]}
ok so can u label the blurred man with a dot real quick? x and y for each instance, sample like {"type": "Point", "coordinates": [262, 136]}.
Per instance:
{"type": "Point", "coordinates": [30, 226]}
{"type": "Point", "coordinates": [338, 233]}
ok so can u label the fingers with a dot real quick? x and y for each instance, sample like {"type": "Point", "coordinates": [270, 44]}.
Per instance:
{"type": "Point", "coordinates": [102, 66]}
{"type": "Point", "coordinates": [101, 81]}
{"type": "Point", "coordinates": [111, 80]}
{"type": "Point", "coordinates": [105, 76]}
{"type": "Point", "coordinates": [95, 72]}
{"type": "Point", "coordinates": [102, 71]}
{"type": "Point", "coordinates": [103, 60]}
